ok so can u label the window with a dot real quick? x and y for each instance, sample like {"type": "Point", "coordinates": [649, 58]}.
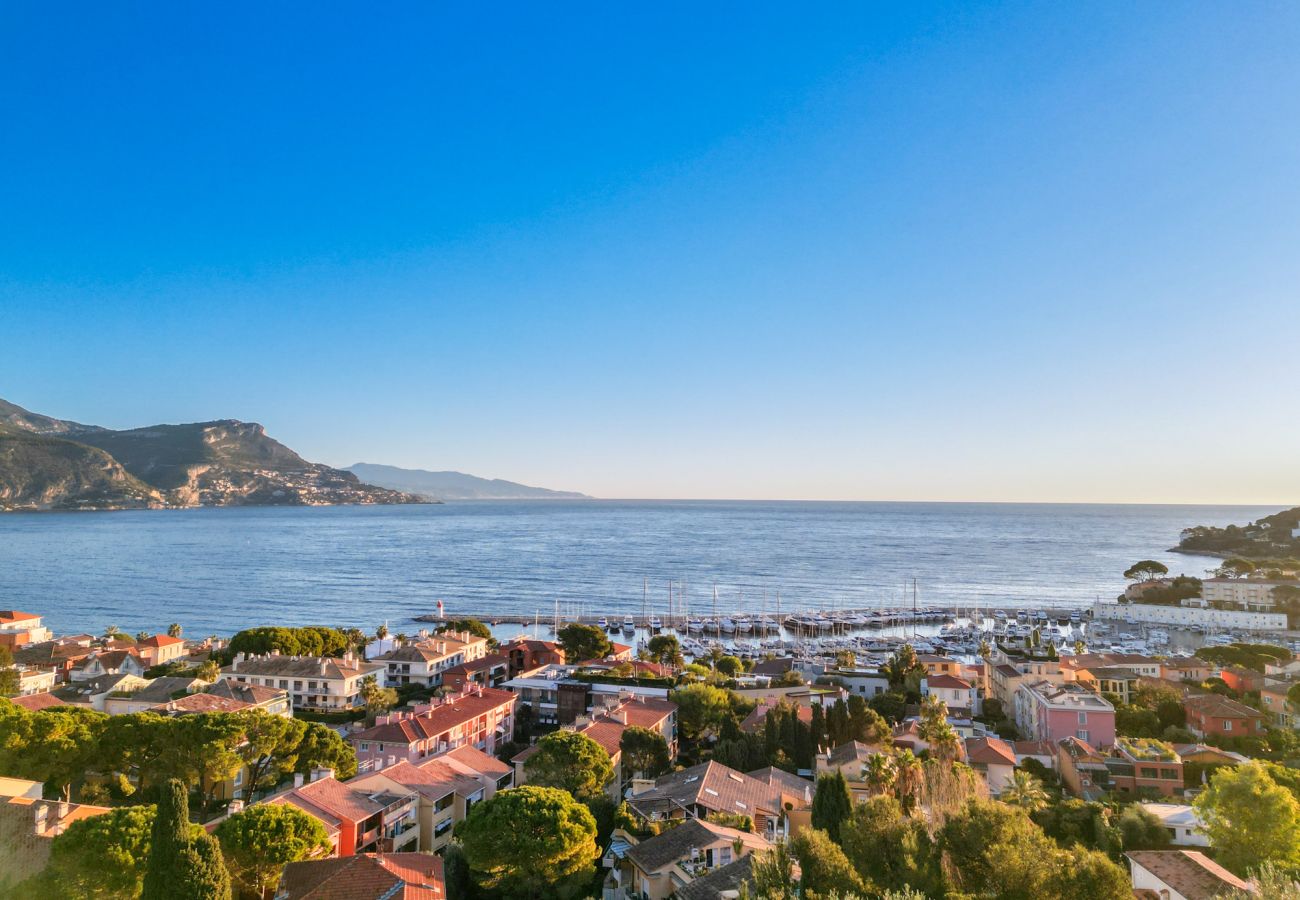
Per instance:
{"type": "Point", "coordinates": [364, 746]}
{"type": "Point", "coordinates": [1081, 734]}
{"type": "Point", "coordinates": [1083, 718]}
{"type": "Point", "coordinates": [1227, 724]}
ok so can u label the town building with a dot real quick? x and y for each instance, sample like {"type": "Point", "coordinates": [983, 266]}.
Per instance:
{"type": "Point", "coordinates": [1180, 875]}
{"type": "Point", "coordinates": [1114, 680]}
{"type": "Point", "coordinates": [528, 654]}
{"type": "Point", "coordinates": [1082, 768]}
{"type": "Point", "coordinates": [994, 759]}
{"type": "Point", "coordinates": [1185, 668]}
{"type": "Point", "coordinates": [422, 663]}
{"type": "Point", "coordinates": [714, 788]}
{"type": "Point", "coordinates": [318, 683]}
{"type": "Point", "coordinates": [660, 866]}
{"type": "Point", "coordinates": [557, 697]}
{"type": "Point", "coordinates": [1052, 712]}
{"type": "Point", "coordinates": [492, 670]}
{"type": "Point", "coordinates": [1211, 714]}
{"type": "Point", "coordinates": [1273, 697]}
{"type": "Point", "coordinates": [154, 691]}
{"type": "Point", "coordinates": [108, 662]}
{"type": "Point", "coordinates": [1189, 617]}
{"type": "Point", "coordinates": [1241, 593]}
{"type": "Point", "coordinates": [866, 683]}
{"type": "Point", "coordinates": [935, 664]}
{"type": "Point", "coordinates": [606, 726]}
{"type": "Point", "coordinates": [1181, 821]}
{"type": "Point", "coordinates": [387, 876]}
{"type": "Point", "coordinates": [1141, 767]}
{"type": "Point", "coordinates": [381, 817]}
{"type": "Point", "coordinates": [28, 826]}
{"type": "Point", "coordinates": [1004, 674]}
{"type": "Point", "coordinates": [18, 629]}
{"type": "Point", "coordinates": [255, 696]}
{"type": "Point", "coordinates": [160, 649]}
{"type": "Point", "coordinates": [482, 718]}
{"type": "Point", "coordinates": [1136, 663]}
{"type": "Point", "coordinates": [959, 695]}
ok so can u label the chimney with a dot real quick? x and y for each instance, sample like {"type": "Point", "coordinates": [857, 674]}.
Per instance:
{"type": "Point", "coordinates": [318, 774]}
{"type": "Point", "coordinates": [297, 779]}
{"type": "Point", "coordinates": [40, 813]}
{"type": "Point", "coordinates": [322, 665]}
{"type": "Point", "coordinates": [392, 760]}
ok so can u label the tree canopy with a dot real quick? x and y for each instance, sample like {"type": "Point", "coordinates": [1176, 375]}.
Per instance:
{"type": "Point", "coordinates": [103, 856]}
{"type": "Point", "coordinates": [581, 642]}
{"type": "Point", "coordinates": [832, 804]}
{"type": "Point", "coordinates": [473, 626]}
{"type": "Point", "coordinates": [258, 842]}
{"type": "Point", "coordinates": [1250, 819]}
{"type": "Point", "coordinates": [665, 649]}
{"type": "Point", "coordinates": [1146, 570]}
{"type": "Point", "coordinates": [644, 752]}
{"type": "Point", "coordinates": [183, 864]}
{"type": "Point", "coordinates": [570, 761]}
{"type": "Point", "coordinates": [530, 841]}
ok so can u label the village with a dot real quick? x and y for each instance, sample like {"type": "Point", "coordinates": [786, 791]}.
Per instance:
{"type": "Point", "coordinates": [461, 765]}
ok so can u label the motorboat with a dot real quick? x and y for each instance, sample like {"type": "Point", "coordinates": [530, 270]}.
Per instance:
{"type": "Point", "coordinates": [656, 625]}
{"type": "Point", "coordinates": [603, 623]}
{"type": "Point", "coordinates": [629, 624]}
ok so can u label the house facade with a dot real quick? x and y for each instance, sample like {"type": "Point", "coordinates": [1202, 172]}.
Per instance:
{"type": "Point", "coordinates": [482, 718]}
{"type": "Point", "coordinates": [1053, 712]}
{"type": "Point", "coordinates": [319, 683]}
{"type": "Point", "coordinates": [1211, 714]}
{"type": "Point", "coordinates": [959, 695]}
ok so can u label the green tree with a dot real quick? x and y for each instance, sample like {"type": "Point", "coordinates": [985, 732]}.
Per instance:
{"type": "Point", "coordinates": [377, 698]}
{"type": "Point", "coordinates": [879, 773]}
{"type": "Point", "coordinates": [103, 856]}
{"type": "Point", "coordinates": [935, 730]}
{"type": "Point", "coordinates": [865, 724]}
{"type": "Point", "coordinates": [174, 630]}
{"type": "Point", "coordinates": [260, 841]}
{"type": "Point", "coordinates": [788, 678]}
{"type": "Point", "coordinates": [994, 850]}
{"type": "Point", "coordinates": [209, 670]}
{"type": "Point", "coordinates": [10, 680]}
{"type": "Point", "coordinates": [1235, 567]}
{"type": "Point", "coordinates": [1250, 819]}
{"type": "Point", "coordinates": [1146, 570]}
{"type": "Point", "coordinates": [1087, 873]}
{"type": "Point", "coordinates": [1272, 882]}
{"type": "Point", "coordinates": [1140, 829]}
{"type": "Point", "coordinates": [665, 649]}
{"type": "Point", "coordinates": [730, 666]}
{"type": "Point", "coordinates": [571, 762]}
{"type": "Point", "coordinates": [322, 748]}
{"type": "Point", "coordinates": [644, 751]}
{"type": "Point", "coordinates": [473, 626]}
{"type": "Point", "coordinates": [890, 849]}
{"type": "Point", "coordinates": [832, 804]}
{"type": "Point", "coordinates": [903, 669]}
{"type": "Point", "coordinates": [183, 864]}
{"type": "Point", "coordinates": [530, 842]}
{"type": "Point", "coordinates": [701, 708]}
{"type": "Point", "coordinates": [1024, 791]}
{"type": "Point", "coordinates": [582, 642]}
{"type": "Point", "coordinates": [270, 747]}
{"type": "Point", "coordinates": [772, 875]}
{"type": "Point", "coordinates": [823, 867]}
{"type": "Point", "coordinates": [210, 746]}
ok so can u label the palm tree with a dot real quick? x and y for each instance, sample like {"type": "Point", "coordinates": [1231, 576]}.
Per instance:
{"type": "Point", "coordinates": [1025, 791]}
{"type": "Point", "coordinates": [111, 632]}
{"type": "Point", "coordinates": [401, 639]}
{"type": "Point", "coordinates": [381, 632]}
{"type": "Point", "coordinates": [880, 773]}
{"type": "Point", "coordinates": [174, 630]}
{"type": "Point", "coordinates": [907, 780]}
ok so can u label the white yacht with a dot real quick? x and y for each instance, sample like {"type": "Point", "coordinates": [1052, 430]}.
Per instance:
{"type": "Point", "coordinates": [629, 624]}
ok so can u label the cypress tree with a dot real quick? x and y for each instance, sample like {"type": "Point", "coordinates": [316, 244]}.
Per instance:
{"type": "Point", "coordinates": [203, 873]}
{"type": "Point", "coordinates": [818, 727]}
{"type": "Point", "coordinates": [171, 833]}
{"type": "Point", "coordinates": [832, 804]}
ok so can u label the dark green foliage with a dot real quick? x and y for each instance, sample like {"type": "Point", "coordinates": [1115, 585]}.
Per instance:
{"type": "Point", "coordinates": [473, 626]}
{"type": "Point", "coordinates": [9, 678]}
{"type": "Point", "coordinates": [644, 752]}
{"type": "Point", "coordinates": [832, 804]}
{"type": "Point", "coordinates": [890, 705]}
{"type": "Point", "coordinates": [582, 642]}
{"type": "Point", "coordinates": [455, 872]}
{"type": "Point", "coordinates": [890, 850]}
{"type": "Point", "coordinates": [105, 853]}
{"type": "Point", "coordinates": [1271, 534]}
{"type": "Point", "coordinates": [313, 640]}
{"type": "Point", "coordinates": [1079, 823]}
{"type": "Point", "coordinates": [1249, 656]}
{"type": "Point", "coordinates": [183, 864]}
{"type": "Point", "coordinates": [1142, 830]}
{"type": "Point", "coordinates": [824, 869]}
{"type": "Point", "coordinates": [203, 874]}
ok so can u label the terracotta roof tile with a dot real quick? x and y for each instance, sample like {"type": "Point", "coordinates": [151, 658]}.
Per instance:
{"type": "Point", "coordinates": [1190, 873]}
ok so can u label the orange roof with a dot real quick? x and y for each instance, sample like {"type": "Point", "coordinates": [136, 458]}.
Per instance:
{"type": "Point", "coordinates": [34, 702]}
{"type": "Point", "coordinates": [438, 720]}
{"type": "Point", "coordinates": [200, 703]}
{"type": "Point", "coordinates": [476, 759]}
{"type": "Point", "coordinates": [947, 681]}
{"type": "Point", "coordinates": [11, 616]}
{"type": "Point", "coordinates": [160, 640]}
{"type": "Point", "coordinates": [392, 876]}
{"type": "Point", "coordinates": [990, 751]}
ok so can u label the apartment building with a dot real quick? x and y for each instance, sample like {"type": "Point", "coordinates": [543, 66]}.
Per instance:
{"type": "Point", "coordinates": [375, 816]}
{"type": "Point", "coordinates": [17, 629]}
{"type": "Point", "coordinates": [320, 683]}
{"type": "Point", "coordinates": [1053, 712]}
{"type": "Point", "coordinates": [482, 718]}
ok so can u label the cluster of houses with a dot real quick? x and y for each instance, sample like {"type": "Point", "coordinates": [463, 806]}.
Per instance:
{"type": "Point", "coordinates": [421, 769]}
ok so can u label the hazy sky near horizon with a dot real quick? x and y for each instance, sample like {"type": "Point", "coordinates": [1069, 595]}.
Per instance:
{"type": "Point", "coordinates": [942, 251]}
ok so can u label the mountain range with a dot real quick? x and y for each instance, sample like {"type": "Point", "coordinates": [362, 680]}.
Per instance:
{"type": "Point", "coordinates": [454, 485]}
{"type": "Point", "coordinates": [48, 463]}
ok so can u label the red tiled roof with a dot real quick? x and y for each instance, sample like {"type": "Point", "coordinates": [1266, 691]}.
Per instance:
{"type": "Point", "coordinates": [34, 702]}
{"type": "Point", "coordinates": [336, 798]}
{"type": "Point", "coordinates": [438, 720]}
{"type": "Point", "coordinates": [200, 703]}
{"type": "Point", "coordinates": [947, 682]}
{"type": "Point", "coordinates": [161, 640]}
{"type": "Point", "coordinates": [476, 759]}
{"type": "Point", "coordinates": [393, 876]}
{"type": "Point", "coordinates": [10, 616]}
{"type": "Point", "coordinates": [1192, 874]}
{"type": "Point", "coordinates": [990, 751]}
{"type": "Point", "coordinates": [1222, 707]}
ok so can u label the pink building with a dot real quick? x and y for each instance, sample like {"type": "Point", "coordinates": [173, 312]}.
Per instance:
{"type": "Point", "coordinates": [1053, 712]}
{"type": "Point", "coordinates": [482, 718]}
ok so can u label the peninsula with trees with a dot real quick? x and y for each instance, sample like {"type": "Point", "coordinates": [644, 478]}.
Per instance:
{"type": "Point", "coordinates": [1271, 537]}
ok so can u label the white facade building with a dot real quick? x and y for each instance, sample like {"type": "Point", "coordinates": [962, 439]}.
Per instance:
{"type": "Point", "coordinates": [1185, 617]}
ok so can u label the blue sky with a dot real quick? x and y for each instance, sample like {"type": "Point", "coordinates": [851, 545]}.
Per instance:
{"type": "Point", "coordinates": [1000, 252]}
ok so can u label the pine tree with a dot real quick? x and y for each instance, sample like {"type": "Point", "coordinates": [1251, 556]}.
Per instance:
{"type": "Point", "coordinates": [832, 804]}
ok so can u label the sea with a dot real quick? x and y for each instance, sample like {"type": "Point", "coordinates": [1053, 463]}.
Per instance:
{"type": "Point", "coordinates": [218, 570]}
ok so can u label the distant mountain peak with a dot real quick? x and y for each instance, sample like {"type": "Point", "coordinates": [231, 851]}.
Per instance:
{"type": "Point", "coordinates": [449, 485]}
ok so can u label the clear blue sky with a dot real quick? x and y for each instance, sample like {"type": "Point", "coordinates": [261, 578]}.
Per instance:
{"type": "Point", "coordinates": [1023, 252]}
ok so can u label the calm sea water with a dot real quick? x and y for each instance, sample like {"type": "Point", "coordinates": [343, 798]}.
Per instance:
{"type": "Point", "coordinates": [218, 570]}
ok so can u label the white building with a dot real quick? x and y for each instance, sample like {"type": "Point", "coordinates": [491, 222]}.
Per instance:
{"type": "Point", "coordinates": [424, 662]}
{"type": "Point", "coordinates": [1247, 593]}
{"type": "Point", "coordinates": [1181, 875]}
{"type": "Point", "coordinates": [866, 683]}
{"type": "Point", "coordinates": [1181, 821]}
{"type": "Point", "coordinates": [958, 694]}
{"type": "Point", "coordinates": [313, 682]}
{"type": "Point", "coordinates": [19, 628]}
{"type": "Point", "coordinates": [1186, 617]}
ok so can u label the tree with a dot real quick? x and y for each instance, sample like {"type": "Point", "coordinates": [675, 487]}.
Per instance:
{"type": "Point", "coordinates": [570, 761]}
{"type": "Point", "coordinates": [1024, 791]}
{"type": "Point", "coordinates": [788, 678]}
{"type": "Point", "coordinates": [865, 724]}
{"type": "Point", "coordinates": [209, 670]}
{"type": "Point", "coordinates": [581, 642]}
{"type": "Point", "coordinates": [260, 841]}
{"type": "Point", "coordinates": [530, 841]}
{"type": "Point", "coordinates": [730, 666]}
{"type": "Point", "coordinates": [773, 874]}
{"type": "Point", "coordinates": [907, 782]}
{"type": "Point", "coordinates": [377, 698]}
{"type": "Point", "coordinates": [381, 632]}
{"type": "Point", "coordinates": [903, 667]}
{"type": "Point", "coordinates": [1250, 819]}
{"type": "Point", "coordinates": [183, 864]}
{"type": "Point", "coordinates": [665, 649]}
{"type": "Point", "coordinates": [174, 630]}
{"type": "Point", "coordinates": [270, 747]}
{"type": "Point", "coordinates": [1272, 882]}
{"type": "Point", "coordinates": [1140, 829]}
{"type": "Point", "coordinates": [701, 708]}
{"type": "Point", "coordinates": [103, 856]}
{"type": "Point", "coordinates": [10, 680]}
{"type": "Point", "coordinates": [322, 748]}
{"type": "Point", "coordinates": [879, 773]}
{"type": "Point", "coordinates": [210, 746]}
{"type": "Point", "coordinates": [832, 804]}
{"type": "Point", "coordinates": [1146, 570]}
{"type": "Point", "coordinates": [644, 752]}
{"type": "Point", "coordinates": [823, 867]}
{"type": "Point", "coordinates": [935, 730]}
{"type": "Point", "coordinates": [890, 849]}
{"type": "Point", "coordinates": [473, 626]}
{"type": "Point", "coordinates": [1088, 873]}
{"type": "Point", "coordinates": [994, 850]}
